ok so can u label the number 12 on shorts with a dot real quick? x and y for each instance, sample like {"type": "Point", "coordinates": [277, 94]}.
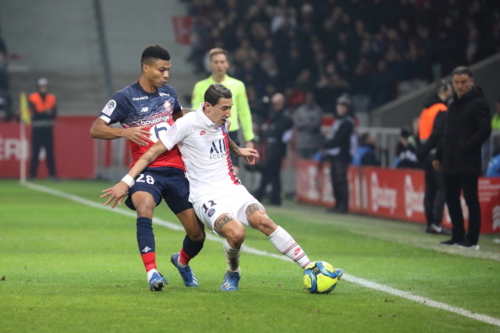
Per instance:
{"type": "Point", "coordinates": [148, 179]}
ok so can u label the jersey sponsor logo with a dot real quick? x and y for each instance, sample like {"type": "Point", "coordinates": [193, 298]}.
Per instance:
{"type": "Point", "coordinates": [139, 98]}
{"type": "Point", "coordinates": [145, 109]}
{"type": "Point", "coordinates": [155, 121]}
{"type": "Point", "coordinates": [109, 108]}
{"type": "Point", "coordinates": [163, 94]}
{"type": "Point", "coordinates": [218, 149]}
{"type": "Point", "coordinates": [203, 133]}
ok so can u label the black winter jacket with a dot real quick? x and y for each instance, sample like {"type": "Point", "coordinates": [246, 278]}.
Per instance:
{"type": "Point", "coordinates": [467, 127]}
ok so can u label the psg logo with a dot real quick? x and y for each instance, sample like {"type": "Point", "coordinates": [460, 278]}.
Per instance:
{"type": "Point", "coordinates": [211, 212]}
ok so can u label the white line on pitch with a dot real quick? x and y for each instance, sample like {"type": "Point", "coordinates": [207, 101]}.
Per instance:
{"type": "Point", "coordinates": [347, 277]}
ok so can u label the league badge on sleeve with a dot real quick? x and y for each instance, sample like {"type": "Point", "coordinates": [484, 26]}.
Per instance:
{"type": "Point", "coordinates": [109, 108]}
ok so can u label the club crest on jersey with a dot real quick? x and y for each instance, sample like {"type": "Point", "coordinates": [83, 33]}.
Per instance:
{"type": "Point", "coordinates": [218, 149]}
{"type": "Point", "coordinates": [211, 212]}
{"type": "Point", "coordinates": [168, 107]}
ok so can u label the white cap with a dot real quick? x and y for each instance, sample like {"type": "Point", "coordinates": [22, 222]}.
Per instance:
{"type": "Point", "coordinates": [42, 81]}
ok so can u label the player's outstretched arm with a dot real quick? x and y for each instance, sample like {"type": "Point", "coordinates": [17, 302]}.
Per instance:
{"type": "Point", "coordinates": [118, 192]}
{"type": "Point", "coordinates": [102, 130]}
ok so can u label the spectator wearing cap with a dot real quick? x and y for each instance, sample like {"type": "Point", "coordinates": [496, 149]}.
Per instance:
{"type": "Point", "coordinates": [339, 146]}
{"type": "Point", "coordinates": [42, 105]}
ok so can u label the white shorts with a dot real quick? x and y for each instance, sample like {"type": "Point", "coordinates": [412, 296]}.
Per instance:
{"type": "Point", "coordinates": [233, 202]}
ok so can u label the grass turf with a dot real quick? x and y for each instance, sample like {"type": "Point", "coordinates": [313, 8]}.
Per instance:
{"type": "Point", "coordinates": [69, 267]}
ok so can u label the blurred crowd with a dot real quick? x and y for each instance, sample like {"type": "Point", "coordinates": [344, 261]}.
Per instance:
{"type": "Point", "coordinates": [374, 50]}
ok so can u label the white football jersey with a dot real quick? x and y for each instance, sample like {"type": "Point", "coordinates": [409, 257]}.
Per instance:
{"type": "Point", "coordinates": [204, 148]}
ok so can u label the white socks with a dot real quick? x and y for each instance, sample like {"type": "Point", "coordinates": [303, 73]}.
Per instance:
{"type": "Point", "coordinates": [232, 257]}
{"type": "Point", "coordinates": [284, 243]}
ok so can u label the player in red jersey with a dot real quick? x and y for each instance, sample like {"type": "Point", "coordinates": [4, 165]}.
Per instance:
{"type": "Point", "coordinates": [145, 109]}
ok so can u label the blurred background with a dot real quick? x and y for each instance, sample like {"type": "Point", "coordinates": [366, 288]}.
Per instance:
{"type": "Point", "coordinates": [385, 55]}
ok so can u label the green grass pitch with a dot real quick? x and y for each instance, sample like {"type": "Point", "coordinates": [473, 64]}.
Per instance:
{"type": "Point", "coordinates": [68, 267]}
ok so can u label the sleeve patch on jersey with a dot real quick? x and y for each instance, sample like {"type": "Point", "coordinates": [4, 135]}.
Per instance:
{"type": "Point", "coordinates": [109, 108]}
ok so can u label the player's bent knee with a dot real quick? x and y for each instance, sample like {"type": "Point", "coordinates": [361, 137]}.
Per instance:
{"type": "Point", "coordinates": [231, 228]}
{"type": "Point", "coordinates": [263, 223]}
{"type": "Point", "coordinates": [197, 236]}
{"type": "Point", "coordinates": [145, 210]}
{"type": "Point", "coordinates": [236, 234]}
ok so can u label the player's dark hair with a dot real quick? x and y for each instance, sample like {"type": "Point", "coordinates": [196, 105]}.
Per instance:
{"type": "Point", "coordinates": [215, 92]}
{"type": "Point", "coordinates": [216, 51]}
{"type": "Point", "coordinates": [462, 70]}
{"type": "Point", "coordinates": [153, 52]}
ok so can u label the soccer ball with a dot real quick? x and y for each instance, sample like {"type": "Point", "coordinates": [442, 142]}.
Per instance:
{"type": "Point", "coordinates": [320, 277]}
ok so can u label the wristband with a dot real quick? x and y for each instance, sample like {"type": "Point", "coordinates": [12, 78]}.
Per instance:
{"type": "Point", "coordinates": [128, 180]}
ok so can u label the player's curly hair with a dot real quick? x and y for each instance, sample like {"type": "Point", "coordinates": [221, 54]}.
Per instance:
{"type": "Point", "coordinates": [153, 52]}
{"type": "Point", "coordinates": [215, 92]}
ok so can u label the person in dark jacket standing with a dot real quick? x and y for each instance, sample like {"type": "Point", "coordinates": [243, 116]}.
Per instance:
{"type": "Point", "coordinates": [42, 105]}
{"type": "Point", "coordinates": [277, 137]}
{"type": "Point", "coordinates": [431, 126]}
{"type": "Point", "coordinates": [339, 147]}
{"type": "Point", "coordinates": [467, 127]}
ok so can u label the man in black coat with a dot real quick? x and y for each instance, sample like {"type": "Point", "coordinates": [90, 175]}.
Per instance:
{"type": "Point", "coordinates": [339, 146]}
{"type": "Point", "coordinates": [468, 126]}
{"type": "Point", "coordinates": [277, 137]}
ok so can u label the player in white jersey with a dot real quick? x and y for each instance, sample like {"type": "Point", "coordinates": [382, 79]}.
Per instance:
{"type": "Point", "coordinates": [219, 199]}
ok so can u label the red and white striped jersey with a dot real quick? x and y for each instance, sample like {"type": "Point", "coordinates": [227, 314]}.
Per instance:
{"type": "Point", "coordinates": [204, 148]}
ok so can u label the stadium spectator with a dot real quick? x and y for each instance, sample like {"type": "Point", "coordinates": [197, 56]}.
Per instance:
{"type": "Point", "coordinates": [43, 110]}
{"type": "Point", "coordinates": [430, 129]}
{"type": "Point", "coordinates": [494, 165]}
{"type": "Point", "coordinates": [308, 126]}
{"type": "Point", "coordinates": [339, 146]}
{"type": "Point", "coordinates": [277, 137]}
{"type": "Point", "coordinates": [495, 121]}
{"type": "Point", "coordinates": [409, 37]}
{"type": "Point", "coordinates": [468, 126]}
{"type": "Point", "coordinates": [406, 150]}
{"type": "Point", "coordinates": [240, 113]}
{"type": "Point", "coordinates": [366, 151]}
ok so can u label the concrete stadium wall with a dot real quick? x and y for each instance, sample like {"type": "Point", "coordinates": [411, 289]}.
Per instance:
{"type": "Point", "coordinates": [402, 111]}
{"type": "Point", "coordinates": [58, 39]}
{"type": "Point", "coordinates": [51, 35]}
